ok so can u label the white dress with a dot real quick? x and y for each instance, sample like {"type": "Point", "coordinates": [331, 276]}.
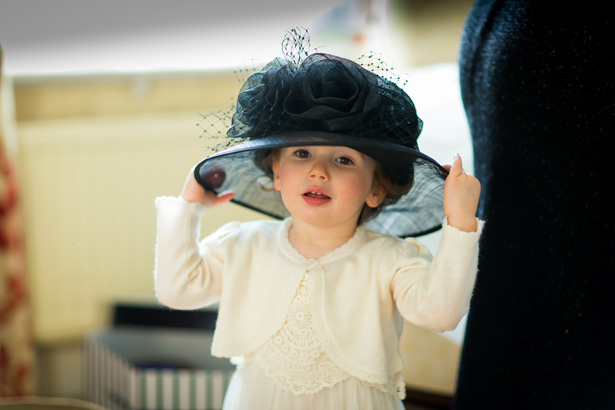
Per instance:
{"type": "Point", "coordinates": [292, 371]}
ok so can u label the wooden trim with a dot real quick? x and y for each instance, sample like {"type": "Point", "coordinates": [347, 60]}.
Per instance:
{"type": "Point", "coordinates": [428, 399]}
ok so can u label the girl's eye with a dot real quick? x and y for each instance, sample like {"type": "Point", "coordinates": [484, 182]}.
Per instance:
{"type": "Point", "coordinates": [301, 153]}
{"type": "Point", "coordinates": [344, 161]}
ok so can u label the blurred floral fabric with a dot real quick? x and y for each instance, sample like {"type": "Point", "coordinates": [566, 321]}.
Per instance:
{"type": "Point", "coordinates": [16, 343]}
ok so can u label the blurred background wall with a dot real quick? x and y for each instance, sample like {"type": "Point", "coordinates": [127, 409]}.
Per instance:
{"type": "Point", "coordinates": [103, 101]}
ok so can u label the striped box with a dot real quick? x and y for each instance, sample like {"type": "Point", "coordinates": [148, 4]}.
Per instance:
{"type": "Point", "coordinates": [154, 369]}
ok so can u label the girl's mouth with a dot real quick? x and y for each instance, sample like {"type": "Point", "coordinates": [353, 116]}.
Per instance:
{"type": "Point", "coordinates": [316, 198]}
{"type": "Point", "coordinates": [316, 195]}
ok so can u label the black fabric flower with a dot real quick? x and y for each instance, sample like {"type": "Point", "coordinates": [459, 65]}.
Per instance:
{"type": "Point", "coordinates": [333, 96]}
{"type": "Point", "coordinates": [324, 94]}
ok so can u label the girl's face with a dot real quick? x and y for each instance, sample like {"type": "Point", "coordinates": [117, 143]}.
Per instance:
{"type": "Point", "coordinates": [326, 186]}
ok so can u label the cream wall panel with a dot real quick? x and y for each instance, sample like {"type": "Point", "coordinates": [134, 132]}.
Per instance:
{"type": "Point", "coordinates": [38, 98]}
{"type": "Point", "coordinates": [426, 31]}
{"type": "Point", "coordinates": [89, 187]}
{"type": "Point", "coordinates": [432, 361]}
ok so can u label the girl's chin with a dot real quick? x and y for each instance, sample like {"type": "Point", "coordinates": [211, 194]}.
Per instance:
{"type": "Point", "coordinates": [325, 221]}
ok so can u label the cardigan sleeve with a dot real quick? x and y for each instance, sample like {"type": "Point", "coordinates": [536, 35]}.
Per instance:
{"type": "Point", "coordinates": [435, 294]}
{"type": "Point", "coordinates": [186, 275]}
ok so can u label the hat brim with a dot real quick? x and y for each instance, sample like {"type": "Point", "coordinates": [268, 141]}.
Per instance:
{"type": "Point", "coordinates": [419, 212]}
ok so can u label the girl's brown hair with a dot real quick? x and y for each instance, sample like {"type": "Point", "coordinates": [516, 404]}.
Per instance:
{"type": "Point", "coordinates": [393, 192]}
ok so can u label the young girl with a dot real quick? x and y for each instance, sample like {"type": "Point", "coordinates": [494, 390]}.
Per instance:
{"type": "Point", "coordinates": [312, 307]}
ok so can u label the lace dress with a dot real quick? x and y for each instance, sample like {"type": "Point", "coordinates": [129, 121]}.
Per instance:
{"type": "Point", "coordinates": [292, 371]}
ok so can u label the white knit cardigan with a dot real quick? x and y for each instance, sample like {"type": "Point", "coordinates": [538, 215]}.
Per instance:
{"type": "Point", "coordinates": [361, 292]}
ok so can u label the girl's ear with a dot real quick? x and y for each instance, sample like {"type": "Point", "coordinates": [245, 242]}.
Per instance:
{"type": "Point", "coordinates": [275, 168]}
{"type": "Point", "coordinates": [376, 197]}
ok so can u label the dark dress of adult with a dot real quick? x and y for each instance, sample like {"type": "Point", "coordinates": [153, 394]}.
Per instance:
{"type": "Point", "coordinates": [537, 84]}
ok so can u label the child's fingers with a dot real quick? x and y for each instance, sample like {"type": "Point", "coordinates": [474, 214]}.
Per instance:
{"type": "Point", "coordinates": [195, 192]}
{"type": "Point", "coordinates": [456, 168]}
{"type": "Point", "coordinates": [224, 197]}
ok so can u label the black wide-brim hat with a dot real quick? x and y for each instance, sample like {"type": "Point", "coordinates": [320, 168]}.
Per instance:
{"type": "Point", "coordinates": [327, 100]}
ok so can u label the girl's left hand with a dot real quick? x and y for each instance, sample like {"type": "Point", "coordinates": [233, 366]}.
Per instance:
{"type": "Point", "coordinates": [461, 194]}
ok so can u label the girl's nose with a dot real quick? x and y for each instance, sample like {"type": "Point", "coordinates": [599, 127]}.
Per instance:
{"type": "Point", "coordinates": [319, 171]}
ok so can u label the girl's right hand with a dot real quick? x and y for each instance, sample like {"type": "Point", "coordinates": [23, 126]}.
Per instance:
{"type": "Point", "coordinates": [194, 192]}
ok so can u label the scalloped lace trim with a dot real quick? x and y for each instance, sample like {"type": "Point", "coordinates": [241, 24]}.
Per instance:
{"type": "Point", "coordinates": [293, 357]}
